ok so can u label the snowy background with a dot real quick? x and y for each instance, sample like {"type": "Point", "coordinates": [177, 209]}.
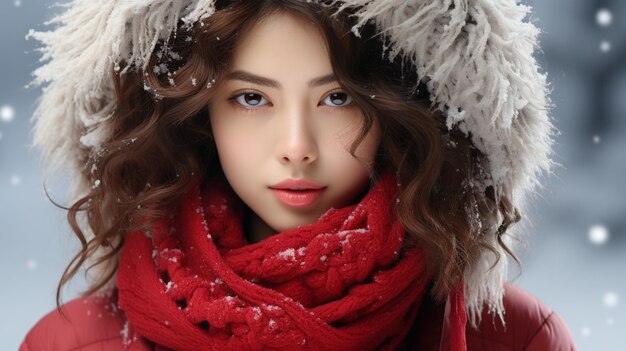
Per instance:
{"type": "Point", "coordinates": [577, 257]}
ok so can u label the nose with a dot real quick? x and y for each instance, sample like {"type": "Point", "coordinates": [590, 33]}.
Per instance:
{"type": "Point", "coordinates": [297, 142]}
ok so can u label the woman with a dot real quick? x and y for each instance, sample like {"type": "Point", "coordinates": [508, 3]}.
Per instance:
{"type": "Point", "coordinates": [270, 176]}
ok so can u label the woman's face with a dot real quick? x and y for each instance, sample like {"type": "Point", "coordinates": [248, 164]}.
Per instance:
{"type": "Point", "coordinates": [281, 115]}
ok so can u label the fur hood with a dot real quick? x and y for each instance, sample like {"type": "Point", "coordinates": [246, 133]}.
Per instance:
{"type": "Point", "coordinates": [475, 56]}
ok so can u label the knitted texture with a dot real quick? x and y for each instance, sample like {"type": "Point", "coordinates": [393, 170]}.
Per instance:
{"type": "Point", "coordinates": [342, 283]}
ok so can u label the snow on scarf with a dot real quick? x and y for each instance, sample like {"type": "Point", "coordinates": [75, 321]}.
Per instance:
{"type": "Point", "coordinates": [342, 283]}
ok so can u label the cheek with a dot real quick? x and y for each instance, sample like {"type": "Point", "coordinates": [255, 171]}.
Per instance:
{"type": "Point", "coordinates": [366, 150]}
{"type": "Point", "coordinates": [233, 144]}
{"type": "Point", "coordinates": [236, 153]}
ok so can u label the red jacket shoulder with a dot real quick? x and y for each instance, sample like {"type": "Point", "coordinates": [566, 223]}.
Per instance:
{"type": "Point", "coordinates": [530, 325]}
{"type": "Point", "coordinates": [90, 323]}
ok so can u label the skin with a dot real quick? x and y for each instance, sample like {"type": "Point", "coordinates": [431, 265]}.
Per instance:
{"type": "Point", "coordinates": [293, 130]}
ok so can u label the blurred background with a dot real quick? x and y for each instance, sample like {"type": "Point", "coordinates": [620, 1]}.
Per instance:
{"type": "Point", "coordinates": [576, 260]}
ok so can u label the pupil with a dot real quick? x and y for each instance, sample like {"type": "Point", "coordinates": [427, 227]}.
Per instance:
{"type": "Point", "coordinates": [337, 100]}
{"type": "Point", "coordinates": [250, 99]}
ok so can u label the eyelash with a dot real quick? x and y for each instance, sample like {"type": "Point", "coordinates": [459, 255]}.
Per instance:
{"type": "Point", "coordinates": [234, 97]}
{"type": "Point", "coordinates": [233, 100]}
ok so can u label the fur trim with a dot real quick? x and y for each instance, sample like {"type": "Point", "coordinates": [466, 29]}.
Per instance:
{"type": "Point", "coordinates": [476, 57]}
{"type": "Point", "coordinates": [89, 38]}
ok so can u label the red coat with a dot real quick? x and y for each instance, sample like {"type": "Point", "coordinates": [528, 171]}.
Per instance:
{"type": "Point", "coordinates": [532, 326]}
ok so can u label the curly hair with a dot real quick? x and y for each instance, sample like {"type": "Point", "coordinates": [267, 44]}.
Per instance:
{"type": "Point", "coordinates": [161, 137]}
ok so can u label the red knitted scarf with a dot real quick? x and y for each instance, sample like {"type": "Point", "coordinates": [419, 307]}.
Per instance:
{"type": "Point", "coordinates": [342, 283]}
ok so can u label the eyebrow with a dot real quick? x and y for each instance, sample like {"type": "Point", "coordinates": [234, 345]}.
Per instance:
{"type": "Point", "coordinates": [253, 78]}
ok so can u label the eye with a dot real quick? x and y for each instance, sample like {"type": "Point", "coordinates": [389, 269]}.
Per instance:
{"type": "Point", "coordinates": [250, 99]}
{"type": "Point", "coordinates": [337, 99]}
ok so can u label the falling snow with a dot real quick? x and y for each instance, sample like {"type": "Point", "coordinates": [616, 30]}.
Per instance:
{"type": "Point", "coordinates": [16, 180]}
{"type": "Point", "coordinates": [610, 299]}
{"type": "Point", "coordinates": [598, 234]}
{"type": "Point", "coordinates": [596, 139]}
{"type": "Point", "coordinates": [585, 331]}
{"type": "Point", "coordinates": [31, 264]}
{"type": "Point", "coordinates": [604, 17]}
{"type": "Point", "coordinates": [605, 46]}
{"type": "Point", "coordinates": [7, 113]}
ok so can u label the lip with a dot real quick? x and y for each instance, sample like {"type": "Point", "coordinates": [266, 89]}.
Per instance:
{"type": "Point", "coordinates": [297, 192]}
{"type": "Point", "coordinates": [297, 198]}
{"type": "Point", "coordinates": [299, 184]}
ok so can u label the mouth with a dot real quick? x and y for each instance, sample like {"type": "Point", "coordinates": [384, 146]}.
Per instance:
{"type": "Point", "coordinates": [297, 184]}
{"type": "Point", "coordinates": [297, 197]}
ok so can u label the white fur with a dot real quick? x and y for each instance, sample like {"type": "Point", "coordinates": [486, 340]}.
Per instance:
{"type": "Point", "coordinates": [482, 75]}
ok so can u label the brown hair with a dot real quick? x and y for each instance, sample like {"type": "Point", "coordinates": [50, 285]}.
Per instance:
{"type": "Point", "coordinates": [161, 137]}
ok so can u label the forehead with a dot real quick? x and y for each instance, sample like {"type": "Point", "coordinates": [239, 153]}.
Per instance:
{"type": "Point", "coordinates": [282, 44]}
